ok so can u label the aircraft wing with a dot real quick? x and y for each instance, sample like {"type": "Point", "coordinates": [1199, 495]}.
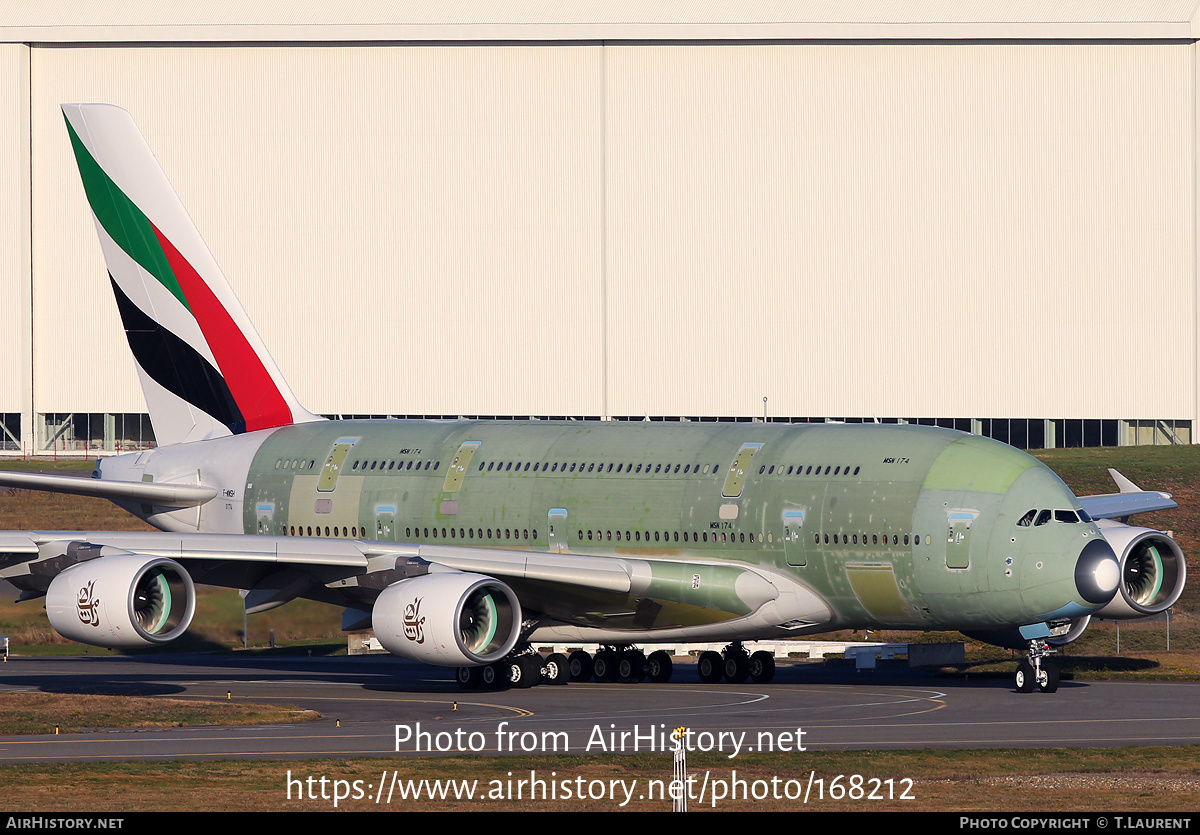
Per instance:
{"type": "Point", "coordinates": [582, 590]}
{"type": "Point", "coordinates": [1131, 500]}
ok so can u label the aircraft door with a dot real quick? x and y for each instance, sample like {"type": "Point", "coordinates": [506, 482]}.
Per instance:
{"type": "Point", "coordinates": [333, 465]}
{"type": "Point", "coordinates": [266, 517]}
{"type": "Point", "coordinates": [793, 537]}
{"type": "Point", "coordinates": [558, 530]}
{"type": "Point", "coordinates": [958, 537]}
{"type": "Point", "coordinates": [735, 480]}
{"type": "Point", "coordinates": [385, 522]}
{"type": "Point", "coordinates": [457, 470]}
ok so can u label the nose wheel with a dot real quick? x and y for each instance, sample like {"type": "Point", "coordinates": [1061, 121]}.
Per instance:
{"type": "Point", "coordinates": [1037, 671]}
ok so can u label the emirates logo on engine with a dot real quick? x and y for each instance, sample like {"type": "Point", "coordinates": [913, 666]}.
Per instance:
{"type": "Point", "coordinates": [414, 622]}
{"type": "Point", "coordinates": [87, 605]}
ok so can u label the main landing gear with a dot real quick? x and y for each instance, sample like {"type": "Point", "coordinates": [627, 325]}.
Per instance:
{"type": "Point", "coordinates": [520, 671]}
{"type": "Point", "coordinates": [615, 663]}
{"type": "Point", "coordinates": [735, 665]}
{"type": "Point", "coordinates": [1035, 671]}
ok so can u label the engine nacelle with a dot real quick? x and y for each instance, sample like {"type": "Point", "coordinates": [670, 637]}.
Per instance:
{"type": "Point", "coordinates": [1070, 632]}
{"type": "Point", "coordinates": [122, 600]}
{"type": "Point", "coordinates": [1152, 570]}
{"type": "Point", "coordinates": [452, 620]}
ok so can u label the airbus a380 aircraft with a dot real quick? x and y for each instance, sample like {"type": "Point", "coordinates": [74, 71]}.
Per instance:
{"type": "Point", "coordinates": [461, 542]}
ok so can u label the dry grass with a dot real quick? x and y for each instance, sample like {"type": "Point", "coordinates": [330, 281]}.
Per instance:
{"type": "Point", "coordinates": [23, 712]}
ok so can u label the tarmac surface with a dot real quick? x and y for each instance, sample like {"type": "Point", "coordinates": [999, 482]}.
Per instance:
{"type": "Point", "coordinates": [383, 706]}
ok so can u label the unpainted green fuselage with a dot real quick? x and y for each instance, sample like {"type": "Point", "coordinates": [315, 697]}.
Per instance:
{"type": "Point", "coordinates": [892, 526]}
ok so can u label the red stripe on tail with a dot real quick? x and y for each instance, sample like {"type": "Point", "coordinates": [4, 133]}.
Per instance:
{"type": "Point", "coordinates": [259, 399]}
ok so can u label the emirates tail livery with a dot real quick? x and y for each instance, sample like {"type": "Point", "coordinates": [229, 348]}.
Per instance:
{"type": "Point", "coordinates": [460, 543]}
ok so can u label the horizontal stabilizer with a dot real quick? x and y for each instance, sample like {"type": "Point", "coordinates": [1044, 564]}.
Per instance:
{"type": "Point", "coordinates": [175, 495]}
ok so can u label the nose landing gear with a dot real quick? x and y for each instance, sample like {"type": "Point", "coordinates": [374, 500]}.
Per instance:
{"type": "Point", "coordinates": [1035, 671]}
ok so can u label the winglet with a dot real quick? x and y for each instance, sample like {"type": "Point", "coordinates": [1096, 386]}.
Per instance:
{"type": "Point", "coordinates": [1124, 484]}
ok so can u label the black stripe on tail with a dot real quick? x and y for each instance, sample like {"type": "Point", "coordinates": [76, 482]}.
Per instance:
{"type": "Point", "coordinates": [177, 366]}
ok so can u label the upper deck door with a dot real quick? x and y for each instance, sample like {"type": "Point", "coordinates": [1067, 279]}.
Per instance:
{"type": "Point", "coordinates": [333, 465]}
{"type": "Point", "coordinates": [735, 480]}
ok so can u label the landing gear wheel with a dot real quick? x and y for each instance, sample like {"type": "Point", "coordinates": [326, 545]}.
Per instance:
{"type": "Point", "coordinates": [710, 667]}
{"type": "Point", "coordinates": [579, 666]}
{"type": "Point", "coordinates": [556, 669]}
{"type": "Point", "coordinates": [659, 666]}
{"type": "Point", "coordinates": [604, 666]}
{"type": "Point", "coordinates": [1036, 670]}
{"type": "Point", "coordinates": [525, 671]}
{"type": "Point", "coordinates": [736, 667]}
{"type": "Point", "coordinates": [631, 668]}
{"type": "Point", "coordinates": [493, 676]}
{"type": "Point", "coordinates": [1047, 680]}
{"type": "Point", "coordinates": [469, 678]}
{"type": "Point", "coordinates": [762, 667]}
{"type": "Point", "coordinates": [1024, 679]}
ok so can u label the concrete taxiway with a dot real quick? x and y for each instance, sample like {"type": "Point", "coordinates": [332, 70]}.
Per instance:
{"type": "Point", "coordinates": [389, 707]}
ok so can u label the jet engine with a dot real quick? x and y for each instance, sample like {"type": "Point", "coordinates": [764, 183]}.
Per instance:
{"type": "Point", "coordinates": [122, 600]}
{"type": "Point", "coordinates": [448, 619]}
{"type": "Point", "coordinates": [1152, 571]}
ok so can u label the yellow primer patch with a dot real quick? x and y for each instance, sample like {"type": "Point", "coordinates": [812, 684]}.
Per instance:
{"type": "Point", "coordinates": [978, 464]}
{"type": "Point", "coordinates": [875, 587]}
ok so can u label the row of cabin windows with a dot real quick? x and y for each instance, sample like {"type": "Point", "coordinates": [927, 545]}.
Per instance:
{"type": "Point", "coordinates": [663, 536]}
{"type": "Point", "coordinates": [311, 530]}
{"type": "Point", "coordinates": [473, 533]}
{"type": "Point", "coordinates": [800, 470]}
{"type": "Point", "coordinates": [428, 533]}
{"type": "Point", "coordinates": [294, 464]}
{"type": "Point", "coordinates": [876, 539]}
{"type": "Point", "coordinates": [564, 467]}
{"type": "Point", "coordinates": [601, 536]}
{"type": "Point", "coordinates": [389, 466]}
{"type": "Point", "coordinates": [380, 465]}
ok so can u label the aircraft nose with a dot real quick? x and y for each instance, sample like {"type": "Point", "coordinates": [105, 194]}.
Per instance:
{"type": "Point", "coordinates": [1097, 572]}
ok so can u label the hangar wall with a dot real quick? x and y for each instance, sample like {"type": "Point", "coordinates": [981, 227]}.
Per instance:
{"type": "Point", "coordinates": [891, 228]}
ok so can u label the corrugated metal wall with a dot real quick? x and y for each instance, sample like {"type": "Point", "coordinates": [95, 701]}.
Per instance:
{"type": "Point", "coordinates": [14, 228]}
{"type": "Point", "coordinates": [848, 229]}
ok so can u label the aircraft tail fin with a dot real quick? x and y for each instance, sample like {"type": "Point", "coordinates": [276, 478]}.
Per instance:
{"type": "Point", "coordinates": [204, 369]}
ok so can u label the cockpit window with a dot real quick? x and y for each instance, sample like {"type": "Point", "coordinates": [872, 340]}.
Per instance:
{"type": "Point", "coordinates": [1042, 518]}
{"type": "Point", "coordinates": [1083, 516]}
{"type": "Point", "coordinates": [1065, 516]}
{"type": "Point", "coordinates": [1027, 520]}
